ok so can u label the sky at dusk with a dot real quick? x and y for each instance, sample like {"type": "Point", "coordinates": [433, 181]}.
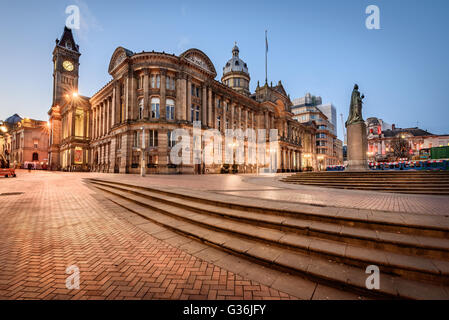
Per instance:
{"type": "Point", "coordinates": [321, 47]}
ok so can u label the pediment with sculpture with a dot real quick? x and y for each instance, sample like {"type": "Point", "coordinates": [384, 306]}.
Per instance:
{"type": "Point", "coordinates": [200, 59]}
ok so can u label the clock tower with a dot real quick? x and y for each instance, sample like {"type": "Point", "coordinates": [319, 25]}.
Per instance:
{"type": "Point", "coordinates": [65, 67]}
{"type": "Point", "coordinates": [65, 83]}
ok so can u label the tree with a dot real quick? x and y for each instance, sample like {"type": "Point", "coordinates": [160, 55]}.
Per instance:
{"type": "Point", "coordinates": [400, 148]}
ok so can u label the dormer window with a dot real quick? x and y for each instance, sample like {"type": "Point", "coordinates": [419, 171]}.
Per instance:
{"type": "Point", "coordinates": [68, 45]}
{"type": "Point", "coordinates": [236, 63]}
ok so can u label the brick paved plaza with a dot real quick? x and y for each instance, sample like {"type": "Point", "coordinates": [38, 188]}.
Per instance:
{"type": "Point", "coordinates": [51, 220]}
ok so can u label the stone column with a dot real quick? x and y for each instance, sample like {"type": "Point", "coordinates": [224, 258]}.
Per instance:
{"type": "Point", "coordinates": [114, 106]}
{"type": "Point", "coordinates": [232, 106]}
{"type": "Point", "coordinates": [102, 118]}
{"type": "Point", "coordinates": [210, 114]}
{"type": "Point", "coordinates": [189, 99]}
{"type": "Point", "coordinates": [131, 96]}
{"type": "Point", "coordinates": [204, 106]}
{"type": "Point", "coordinates": [73, 122]}
{"type": "Point", "coordinates": [162, 150]}
{"type": "Point", "coordinates": [163, 89]}
{"type": "Point", "coordinates": [223, 117]}
{"type": "Point", "coordinates": [146, 96]}
{"type": "Point", "coordinates": [181, 98]}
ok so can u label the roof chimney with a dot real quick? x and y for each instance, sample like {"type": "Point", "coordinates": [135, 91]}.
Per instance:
{"type": "Point", "coordinates": [393, 126]}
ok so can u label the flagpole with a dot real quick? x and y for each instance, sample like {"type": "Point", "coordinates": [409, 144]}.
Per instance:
{"type": "Point", "coordinates": [266, 52]}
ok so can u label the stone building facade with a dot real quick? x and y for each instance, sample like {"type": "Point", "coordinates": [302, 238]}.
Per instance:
{"type": "Point", "coordinates": [24, 141]}
{"type": "Point", "coordinates": [381, 136]}
{"type": "Point", "coordinates": [150, 95]}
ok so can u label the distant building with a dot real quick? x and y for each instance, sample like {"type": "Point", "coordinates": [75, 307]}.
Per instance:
{"type": "Point", "coordinates": [331, 113]}
{"type": "Point", "coordinates": [381, 136]}
{"type": "Point", "coordinates": [329, 149]}
{"type": "Point", "coordinates": [24, 141]}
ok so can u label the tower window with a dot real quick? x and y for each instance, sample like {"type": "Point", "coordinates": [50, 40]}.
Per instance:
{"type": "Point", "coordinates": [68, 45]}
{"type": "Point", "coordinates": [236, 63]}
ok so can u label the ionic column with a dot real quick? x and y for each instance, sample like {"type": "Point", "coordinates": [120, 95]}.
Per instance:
{"type": "Point", "coordinates": [204, 106]}
{"type": "Point", "coordinates": [146, 97]}
{"type": "Point", "coordinates": [162, 104]}
{"type": "Point", "coordinates": [189, 99]}
{"type": "Point", "coordinates": [210, 114]}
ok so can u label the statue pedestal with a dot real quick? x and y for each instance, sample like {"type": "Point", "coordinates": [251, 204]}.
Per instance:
{"type": "Point", "coordinates": [357, 147]}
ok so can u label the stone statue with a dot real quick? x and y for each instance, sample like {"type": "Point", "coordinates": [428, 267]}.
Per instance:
{"type": "Point", "coordinates": [355, 109]}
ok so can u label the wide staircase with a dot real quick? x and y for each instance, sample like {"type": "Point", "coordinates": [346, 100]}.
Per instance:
{"type": "Point", "coordinates": [328, 245]}
{"type": "Point", "coordinates": [414, 182]}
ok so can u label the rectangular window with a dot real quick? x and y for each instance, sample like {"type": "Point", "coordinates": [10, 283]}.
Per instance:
{"type": "Point", "coordinates": [167, 83]}
{"type": "Point", "coordinates": [118, 142]}
{"type": "Point", "coordinates": [153, 81]}
{"type": "Point", "coordinates": [170, 112]}
{"type": "Point", "coordinates": [170, 141]}
{"type": "Point", "coordinates": [197, 113]}
{"type": "Point", "coordinates": [218, 123]}
{"type": "Point", "coordinates": [155, 110]}
{"type": "Point", "coordinates": [153, 159]}
{"type": "Point", "coordinates": [140, 83]}
{"type": "Point", "coordinates": [152, 140]}
{"type": "Point", "coordinates": [136, 140]}
{"type": "Point", "coordinates": [158, 81]}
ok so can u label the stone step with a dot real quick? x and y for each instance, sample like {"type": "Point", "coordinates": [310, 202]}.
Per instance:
{"type": "Point", "coordinates": [393, 242]}
{"type": "Point", "coordinates": [422, 185]}
{"type": "Point", "coordinates": [315, 268]}
{"type": "Point", "coordinates": [399, 264]}
{"type": "Point", "coordinates": [373, 184]}
{"type": "Point", "coordinates": [429, 191]}
{"type": "Point", "coordinates": [415, 224]}
{"type": "Point", "coordinates": [371, 178]}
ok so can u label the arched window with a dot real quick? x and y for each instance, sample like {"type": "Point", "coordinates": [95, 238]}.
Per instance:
{"type": "Point", "coordinates": [155, 102]}
{"type": "Point", "coordinates": [170, 109]}
{"type": "Point", "coordinates": [140, 104]}
{"type": "Point", "coordinates": [35, 156]}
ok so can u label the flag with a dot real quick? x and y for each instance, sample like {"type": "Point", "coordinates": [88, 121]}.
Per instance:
{"type": "Point", "coordinates": [266, 41]}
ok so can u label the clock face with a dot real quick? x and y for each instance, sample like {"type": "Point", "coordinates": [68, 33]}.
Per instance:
{"type": "Point", "coordinates": [68, 65]}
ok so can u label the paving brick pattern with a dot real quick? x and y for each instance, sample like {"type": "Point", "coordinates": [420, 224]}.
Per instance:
{"type": "Point", "coordinates": [57, 222]}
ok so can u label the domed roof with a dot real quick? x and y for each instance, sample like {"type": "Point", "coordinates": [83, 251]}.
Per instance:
{"type": "Point", "coordinates": [13, 119]}
{"type": "Point", "coordinates": [235, 63]}
{"type": "Point", "coordinates": [372, 121]}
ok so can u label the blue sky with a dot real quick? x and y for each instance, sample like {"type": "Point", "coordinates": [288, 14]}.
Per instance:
{"type": "Point", "coordinates": [322, 47]}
